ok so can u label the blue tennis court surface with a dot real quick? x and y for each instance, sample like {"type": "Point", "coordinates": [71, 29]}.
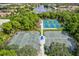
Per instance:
{"type": "Point", "coordinates": [48, 23]}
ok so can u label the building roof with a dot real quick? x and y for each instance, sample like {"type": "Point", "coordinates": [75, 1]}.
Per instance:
{"type": "Point", "coordinates": [4, 21]}
{"type": "Point", "coordinates": [40, 9]}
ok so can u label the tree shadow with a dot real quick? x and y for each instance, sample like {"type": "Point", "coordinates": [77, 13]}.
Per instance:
{"type": "Point", "coordinates": [71, 40]}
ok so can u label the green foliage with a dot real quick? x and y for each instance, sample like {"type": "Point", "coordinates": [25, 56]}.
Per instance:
{"type": "Point", "coordinates": [56, 49]}
{"type": "Point", "coordinates": [27, 51]}
{"type": "Point", "coordinates": [77, 10]}
{"type": "Point", "coordinates": [77, 50]}
{"type": "Point", "coordinates": [7, 53]}
{"type": "Point", "coordinates": [12, 47]}
{"type": "Point", "coordinates": [46, 15]}
{"type": "Point", "coordinates": [71, 24]}
{"type": "Point", "coordinates": [15, 24]}
{"type": "Point", "coordinates": [76, 36]}
{"type": "Point", "coordinates": [9, 47]}
{"type": "Point", "coordinates": [1, 40]}
{"type": "Point", "coordinates": [3, 37]}
{"type": "Point", "coordinates": [14, 50]}
{"type": "Point", "coordinates": [7, 27]}
{"type": "Point", "coordinates": [23, 19]}
{"type": "Point", "coordinates": [8, 50]}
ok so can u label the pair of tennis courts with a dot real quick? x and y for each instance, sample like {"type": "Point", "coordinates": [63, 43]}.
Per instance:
{"type": "Point", "coordinates": [32, 38]}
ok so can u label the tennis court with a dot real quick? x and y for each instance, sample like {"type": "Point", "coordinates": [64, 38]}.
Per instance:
{"type": "Point", "coordinates": [32, 38]}
{"type": "Point", "coordinates": [26, 38]}
{"type": "Point", "coordinates": [49, 23]}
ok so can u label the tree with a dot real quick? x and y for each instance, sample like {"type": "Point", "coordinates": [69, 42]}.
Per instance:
{"type": "Point", "coordinates": [1, 40]}
{"type": "Point", "coordinates": [7, 53]}
{"type": "Point", "coordinates": [27, 51]}
{"type": "Point", "coordinates": [15, 24]}
{"type": "Point", "coordinates": [44, 15]}
{"type": "Point", "coordinates": [77, 37]}
{"type": "Point", "coordinates": [77, 10]}
{"type": "Point", "coordinates": [9, 47]}
{"type": "Point", "coordinates": [71, 24]}
{"type": "Point", "coordinates": [26, 19]}
{"type": "Point", "coordinates": [56, 49]}
{"type": "Point", "coordinates": [7, 27]}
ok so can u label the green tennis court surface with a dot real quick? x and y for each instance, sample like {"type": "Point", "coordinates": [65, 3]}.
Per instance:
{"type": "Point", "coordinates": [32, 38]}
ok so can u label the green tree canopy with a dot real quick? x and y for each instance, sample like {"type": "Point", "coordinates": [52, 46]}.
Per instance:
{"type": "Point", "coordinates": [16, 24]}
{"type": "Point", "coordinates": [7, 53]}
{"type": "Point", "coordinates": [27, 51]}
{"type": "Point", "coordinates": [7, 27]}
{"type": "Point", "coordinates": [57, 49]}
